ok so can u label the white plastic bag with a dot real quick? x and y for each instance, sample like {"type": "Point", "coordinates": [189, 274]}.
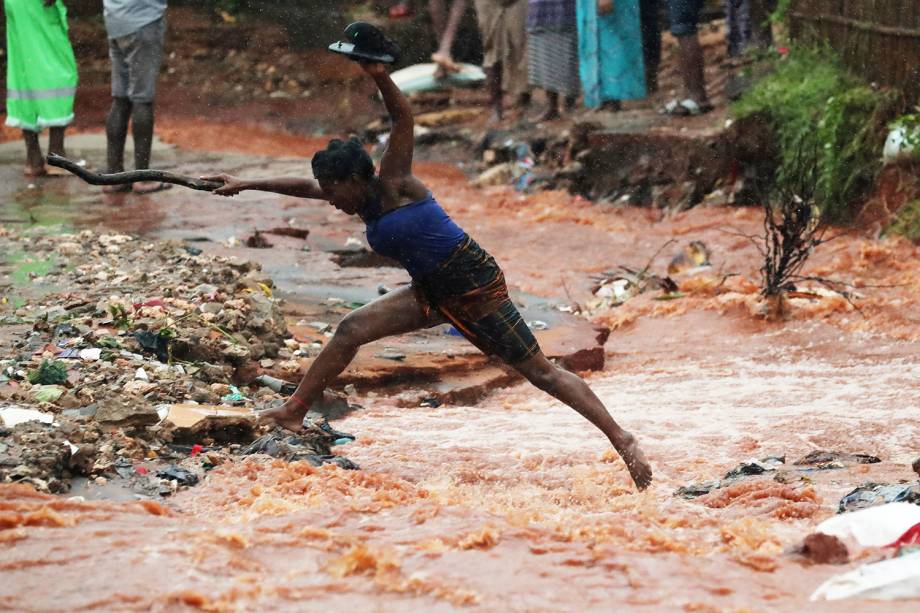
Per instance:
{"type": "Point", "coordinates": [892, 579]}
{"type": "Point", "coordinates": [875, 526]}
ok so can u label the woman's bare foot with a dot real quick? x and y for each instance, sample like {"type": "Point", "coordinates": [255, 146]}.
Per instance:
{"type": "Point", "coordinates": [639, 468]}
{"type": "Point", "coordinates": [117, 189]}
{"type": "Point", "coordinates": [35, 171]}
{"type": "Point", "coordinates": [286, 415]}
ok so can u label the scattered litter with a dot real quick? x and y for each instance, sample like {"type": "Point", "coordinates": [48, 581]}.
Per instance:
{"type": "Point", "coordinates": [894, 579]}
{"type": "Point", "coordinates": [756, 467]}
{"type": "Point", "coordinates": [90, 355]}
{"type": "Point", "coordinates": [234, 397]}
{"type": "Point", "coordinates": [47, 393]}
{"type": "Point", "coordinates": [141, 375]}
{"type": "Point", "coordinates": [284, 388]}
{"type": "Point", "coordinates": [874, 494]}
{"type": "Point", "coordinates": [824, 460]}
{"type": "Point", "coordinates": [873, 527]}
{"type": "Point", "coordinates": [313, 449]}
{"type": "Point", "coordinates": [321, 326]}
{"type": "Point", "coordinates": [695, 490]}
{"type": "Point", "coordinates": [536, 324]}
{"type": "Point", "coordinates": [181, 475]}
{"type": "Point", "coordinates": [693, 258]}
{"type": "Point", "coordinates": [390, 354]}
{"type": "Point", "coordinates": [13, 416]}
{"type": "Point", "coordinates": [49, 372]}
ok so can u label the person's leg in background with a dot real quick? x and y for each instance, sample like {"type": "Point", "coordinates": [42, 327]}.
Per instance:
{"type": "Point", "coordinates": [761, 31]}
{"type": "Point", "coordinates": [144, 64]}
{"type": "Point", "coordinates": [116, 124]}
{"type": "Point", "coordinates": [446, 25]}
{"type": "Point", "coordinates": [488, 15]}
{"type": "Point", "coordinates": [514, 54]}
{"type": "Point", "coordinates": [684, 17]}
{"type": "Point", "coordinates": [651, 42]}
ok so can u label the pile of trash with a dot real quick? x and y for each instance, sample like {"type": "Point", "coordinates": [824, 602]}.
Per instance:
{"type": "Point", "coordinates": [817, 460]}
{"type": "Point", "coordinates": [158, 322]}
{"type": "Point", "coordinates": [160, 348]}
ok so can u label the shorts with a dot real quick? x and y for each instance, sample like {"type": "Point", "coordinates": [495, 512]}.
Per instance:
{"type": "Point", "coordinates": [136, 60]}
{"type": "Point", "coordinates": [684, 16]}
{"type": "Point", "coordinates": [469, 290]}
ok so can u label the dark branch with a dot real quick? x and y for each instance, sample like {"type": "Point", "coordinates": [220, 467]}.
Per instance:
{"type": "Point", "coordinates": [134, 176]}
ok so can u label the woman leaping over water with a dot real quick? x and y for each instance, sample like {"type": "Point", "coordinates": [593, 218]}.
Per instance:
{"type": "Point", "coordinates": [453, 279]}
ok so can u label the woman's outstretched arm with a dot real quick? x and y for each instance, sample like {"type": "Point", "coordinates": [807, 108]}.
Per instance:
{"type": "Point", "coordinates": [289, 186]}
{"type": "Point", "coordinates": [396, 164]}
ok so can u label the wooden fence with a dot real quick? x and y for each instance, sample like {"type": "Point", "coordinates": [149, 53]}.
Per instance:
{"type": "Point", "coordinates": [879, 39]}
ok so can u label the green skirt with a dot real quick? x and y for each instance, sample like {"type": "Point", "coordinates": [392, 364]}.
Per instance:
{"type": "Point", "coordinates": [41, 77]}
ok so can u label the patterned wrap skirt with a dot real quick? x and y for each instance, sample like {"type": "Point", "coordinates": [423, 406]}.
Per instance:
{"type": "Point", "coordinates": [552, 60]}
{"type": "Point", "coordinates": [469, 290]}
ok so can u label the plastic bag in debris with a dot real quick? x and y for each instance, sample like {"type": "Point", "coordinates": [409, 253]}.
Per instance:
{"type": "Point", "coordinates": [284, 388]}
{"type": "Point", "coordinates": [157, 344]}
{"type": "Point", "coordinates": [14, 415]}
{"type": "Point", "coordinates": [234, 397]}
{"type": "Point", "coordinates": [180, 475]}
{"type": "Point", "coordinates": [755, 467]}
{"type": "Point", "coordinates": [825, 460]}
{"type": "Point", "coordinates": [874, 494]}
{"type": "Point", "coordinates": [873, 527]}
{"type": "Point", "coordinates": [297, 448]}
{"type": "Point", "coordinates": [894, 579]}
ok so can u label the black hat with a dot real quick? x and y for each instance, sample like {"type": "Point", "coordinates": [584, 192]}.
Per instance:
{"type": "Point", "coordinates": [364, 41]}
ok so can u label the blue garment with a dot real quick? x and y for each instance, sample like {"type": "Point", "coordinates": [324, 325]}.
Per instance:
{"type": "Point", "coordinates": [610, 52]}
{"type": "Point", "coordinates": [420, 236]}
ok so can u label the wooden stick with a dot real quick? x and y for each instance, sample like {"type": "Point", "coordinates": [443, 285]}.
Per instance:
{"type": "Point", "coordinates": [134, 176]}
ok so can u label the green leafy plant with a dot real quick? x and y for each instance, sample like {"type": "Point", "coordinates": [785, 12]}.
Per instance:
{"type": "Point", "coordinates": [49, 372]}
{"type": "Point", "coordinates": [906, 221]}
{"type": "Point", "coordinates": [811, 103]}
{"type": "Point", "coordinates": [120, 316]}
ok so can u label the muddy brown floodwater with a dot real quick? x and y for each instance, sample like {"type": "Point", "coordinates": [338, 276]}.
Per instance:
{"type": "Point", "coordinates": [516, 503]}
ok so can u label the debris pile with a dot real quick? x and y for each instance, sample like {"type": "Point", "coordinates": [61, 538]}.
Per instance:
{"type": "Point", "coordinates": [139, 366]}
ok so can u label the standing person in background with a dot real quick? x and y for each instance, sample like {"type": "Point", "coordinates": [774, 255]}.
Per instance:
{"type": "Point", "coordinates": [737, 26]}
{"type": "Point", "coordinates": [504, 45]}
{"type": "Point", "coordinates": [685, 16]}
{"type": "Point", "coordinates": [651, 42]}
{"type": "Point", "coordinates": [136, 30]}
{"type": "Point", "coordinates": [41, 76]}
{"type": "Point", "coordinates": [552, 52]}
{"type": "Point", "coordinates": [445, 23]}
{"type": "Point", "coordinates": [610, 52]}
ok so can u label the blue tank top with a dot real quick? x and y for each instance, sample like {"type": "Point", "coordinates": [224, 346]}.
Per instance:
{"type": "Point", "coordinates": [420, 236]}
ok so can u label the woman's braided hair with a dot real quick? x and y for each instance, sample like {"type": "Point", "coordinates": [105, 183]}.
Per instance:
{"type": "Point", "coordinates": [341, 159]}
